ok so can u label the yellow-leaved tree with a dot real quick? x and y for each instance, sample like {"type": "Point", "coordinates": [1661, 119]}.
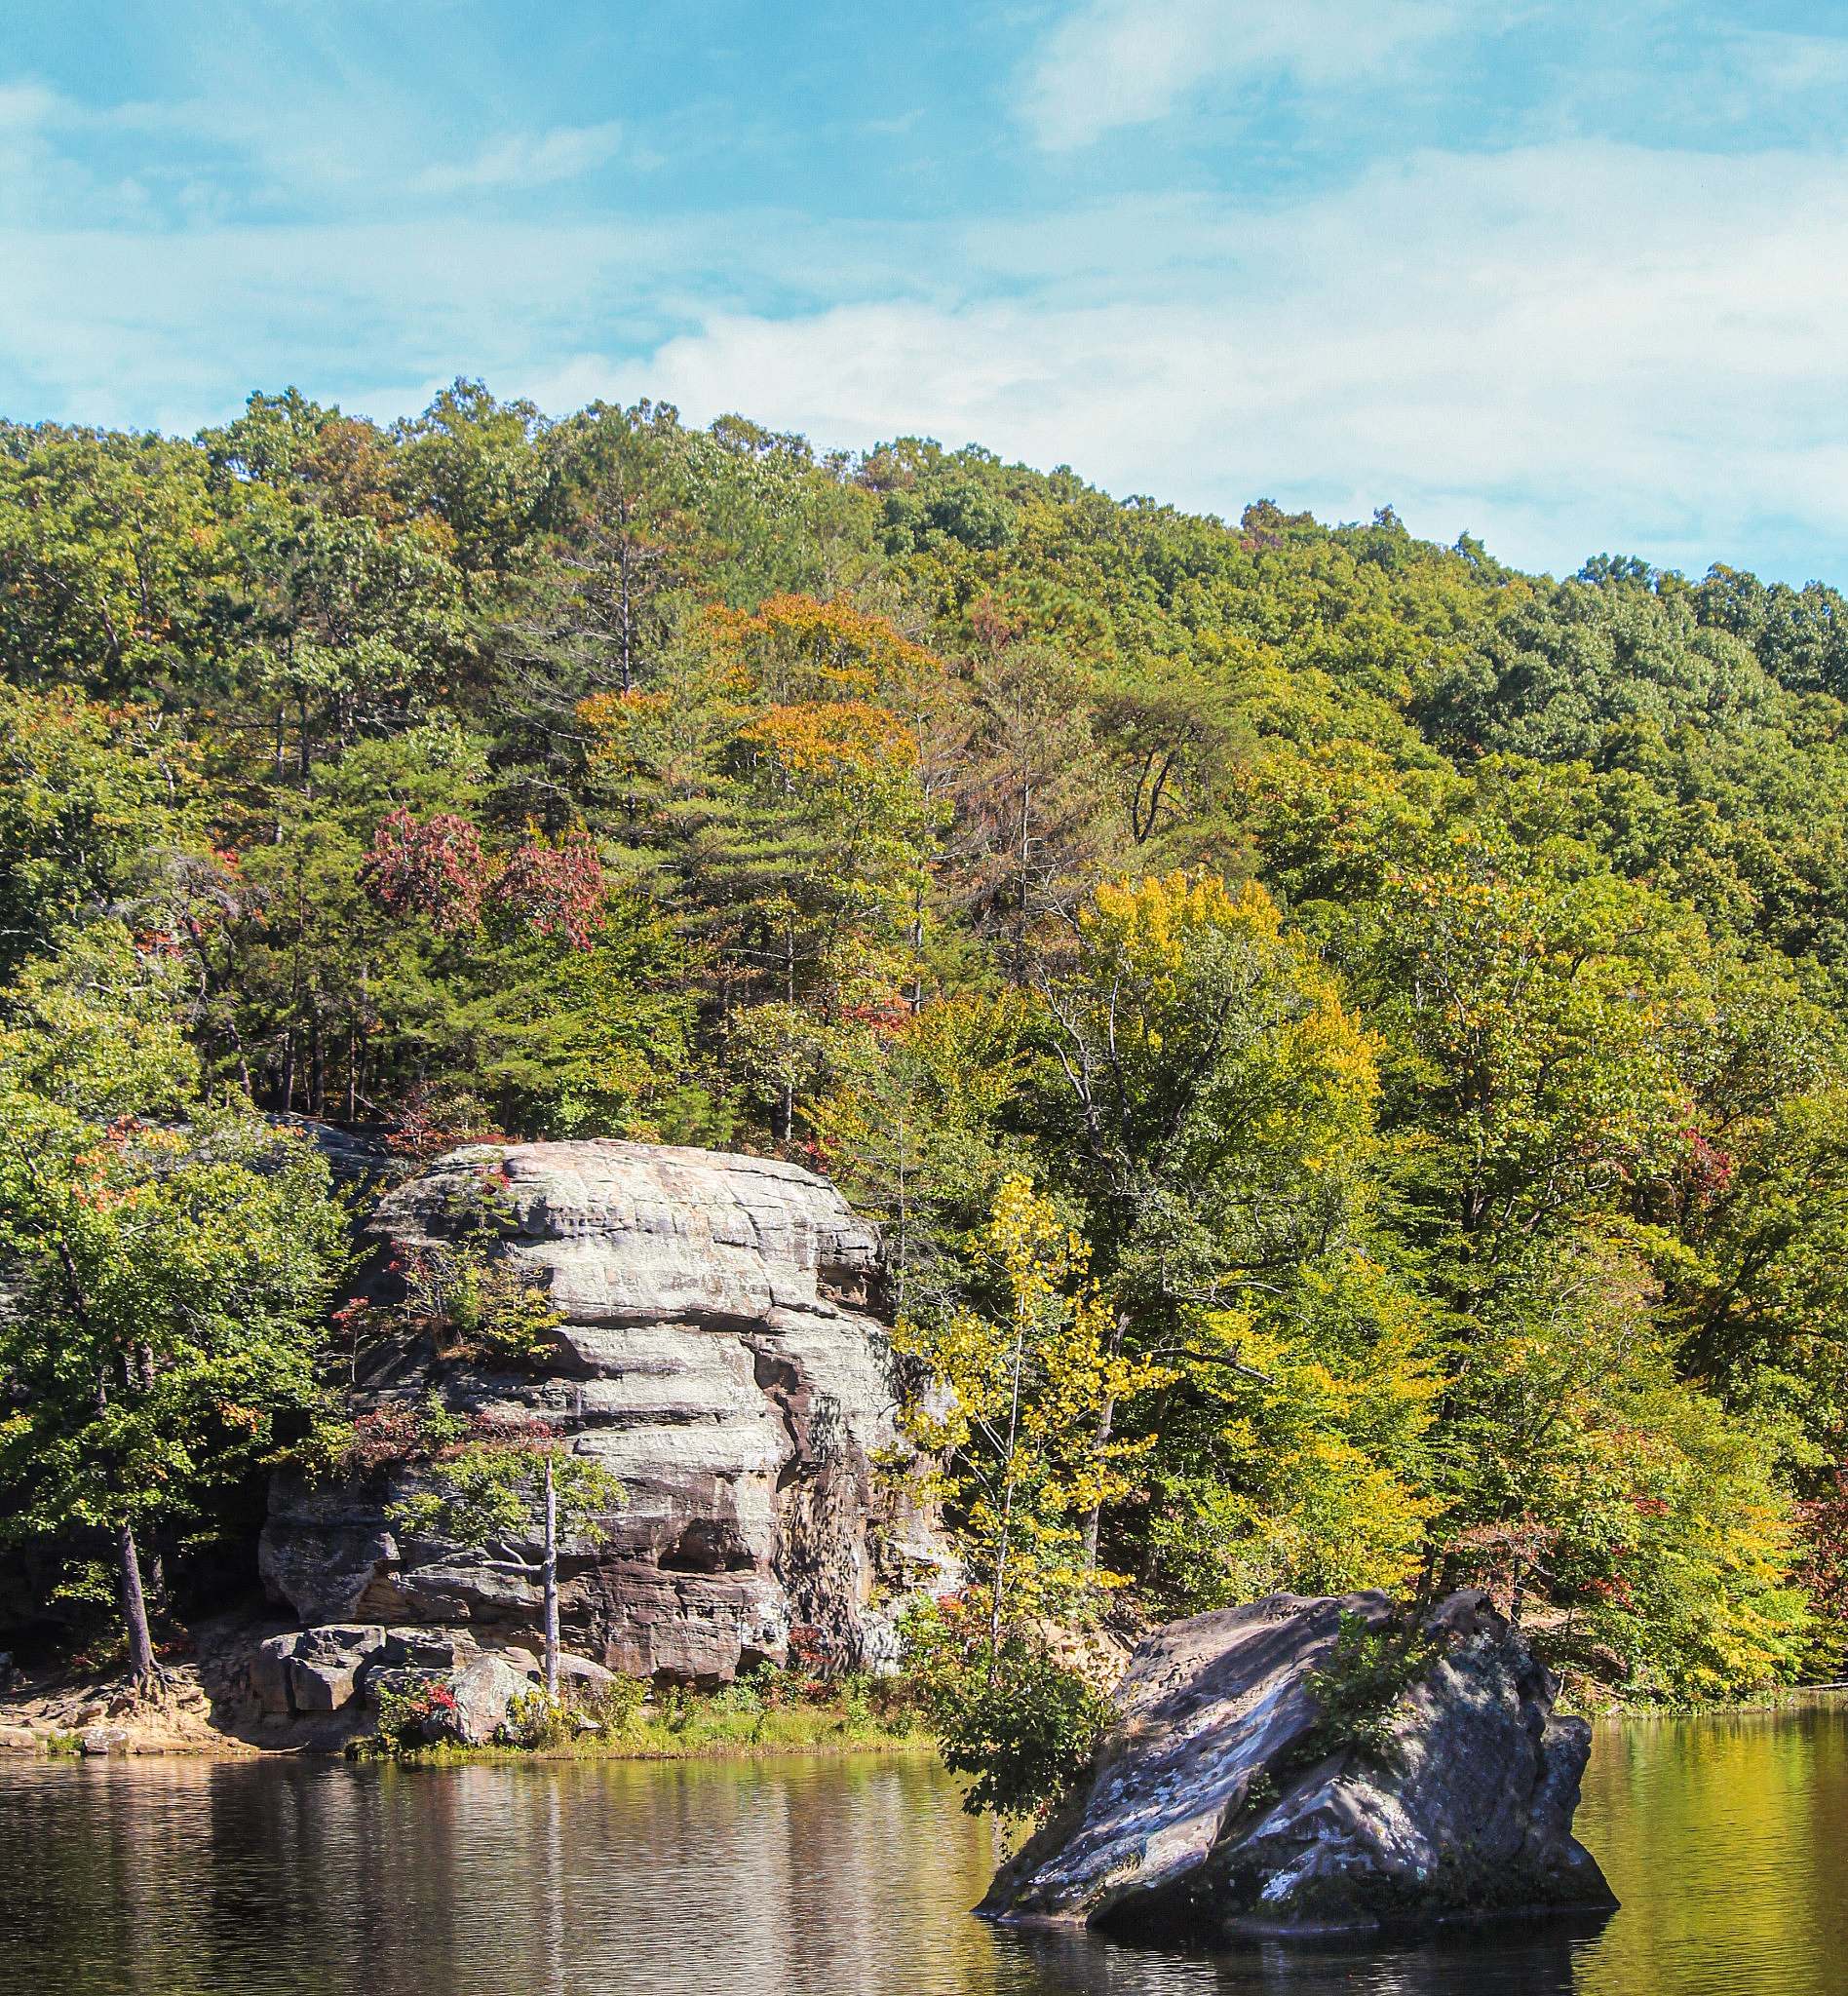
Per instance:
{"type": "Point", "coordinates": [1012, 1413]}
{"type": "Point", "coordinates": [1211, 1100]}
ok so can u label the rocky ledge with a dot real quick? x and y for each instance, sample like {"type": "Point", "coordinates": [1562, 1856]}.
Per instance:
{"type": "Point", "coordinates": [1223, 1807]}
{"type": "Point", "coordinates": [318, 1687]}
{"type": "Point", "coordinates": [716, 1352]}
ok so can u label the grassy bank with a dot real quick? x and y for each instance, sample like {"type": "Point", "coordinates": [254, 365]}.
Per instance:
{"type": "Point", "coordinates": [625, 1721]}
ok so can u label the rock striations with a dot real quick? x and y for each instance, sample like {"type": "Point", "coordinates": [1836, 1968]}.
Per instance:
{"type": "Point", "coordinates": [715, 1353]}
{"type": "Point", "coordinates": [1222, 1807]}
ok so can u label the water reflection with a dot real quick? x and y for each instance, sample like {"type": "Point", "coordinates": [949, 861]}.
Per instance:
{"type": "Point", "coordinates": [159, 1878]}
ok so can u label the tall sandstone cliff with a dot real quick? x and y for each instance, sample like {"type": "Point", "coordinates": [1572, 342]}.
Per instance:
{"type": "Point", "coordinates": [715, 1353]}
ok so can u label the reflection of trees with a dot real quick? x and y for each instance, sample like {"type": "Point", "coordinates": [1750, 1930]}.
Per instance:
{"type": "Point", "coordinates": [1722, 1837]}
{"type": "Point", "coordinates": [822, 1878]}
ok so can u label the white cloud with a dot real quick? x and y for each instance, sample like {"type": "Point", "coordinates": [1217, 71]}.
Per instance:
{"type": "Point", "coordinates": [1764, 59]}
{"type": "Point", "coordinates": [1597, 347]}
{"type": "Point", "coordinates": [1563, 348]}
{"type": "Point", "coordinates": [243, 152]}
{"type": "Point", "coordinates": [28, 106]}
{"type": "Point", "coordinates": [1123, 62]}
{"type": "Point", "coordinates": [526, 160]}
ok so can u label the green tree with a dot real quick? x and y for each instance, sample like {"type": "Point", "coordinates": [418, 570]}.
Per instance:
{"type": "Point", "coordinates": [1014, 1414]}
{"type": "Point", "coordinates": [169, 1257]}
{"type": "Point", "coordinates": [1211, 1097]}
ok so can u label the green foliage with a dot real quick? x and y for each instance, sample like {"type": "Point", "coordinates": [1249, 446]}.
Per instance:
{"type": "Point", "coordinates": [1358, 1688]}
{"type": "Point", "coordinates": [1418, 985]}
{"type": "Point", "coordinates": [488, 1489]}
{"type": "Point", "coordinates": [1016, 1418]}
{"type": "Point", "coordinates": [538, 1718]}
{"type": "Point", "coordinates": [410, 1719]}
{"type": "Point", "coordinates": [1640, 1521]}
{"type": "Point", "coordinates": [616, 1706]}
{"type": "Point", "coordinates": [168, 1256]}
{"type": "Point", "coordinates": [1296, 1450]}
{"type": "Point", "coordinates": [473, 1305]}
{"type": "Point", "coordinates": [1022, 1725]}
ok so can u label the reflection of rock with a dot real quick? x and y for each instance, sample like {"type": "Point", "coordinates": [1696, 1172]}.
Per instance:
{"type": "Point", "coordinates": [713, 1354]}
{"type": "Point", "coordinates": [1216, 1810]}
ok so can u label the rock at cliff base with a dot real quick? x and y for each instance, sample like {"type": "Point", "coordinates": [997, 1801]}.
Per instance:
{"type": "Point", "coordinates": [1227, 1804]}
{"type": "Point", "coordinates": [485, 1693]}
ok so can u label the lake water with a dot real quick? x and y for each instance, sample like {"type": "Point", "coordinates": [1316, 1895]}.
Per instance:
{"type": "Point", "coordinates": [1725, 1838]}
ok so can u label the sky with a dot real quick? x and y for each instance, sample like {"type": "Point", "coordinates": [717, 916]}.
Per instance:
{"type": "Point", "coordinates": [1569, 276]}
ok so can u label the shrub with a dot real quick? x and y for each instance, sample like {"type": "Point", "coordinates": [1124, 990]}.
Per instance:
{"type": "Point", "coordinates": [1358, 1688]}
{"type": "Point", "coordinates": [536, 1718]}
{"type": "Point", "coordinates": [1021, 1724]}
{"type": "Point", "coordinates": [407, 1719]}
{"type": "Point", "coordinates": [617, 1706]}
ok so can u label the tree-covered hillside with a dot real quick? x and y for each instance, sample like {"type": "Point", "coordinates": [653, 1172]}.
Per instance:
{"type": "Point", "coordinates": [1354, 1033]}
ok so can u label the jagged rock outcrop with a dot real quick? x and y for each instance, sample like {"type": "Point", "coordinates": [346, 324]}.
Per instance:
{"type": "Point", "coordinates": [1220, 1808]}
{"type": "Point", "coordinates": [715, 1354]}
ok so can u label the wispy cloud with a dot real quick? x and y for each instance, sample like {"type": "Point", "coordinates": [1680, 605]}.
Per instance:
{"type": "Point", "coordinates": [1788, 62]}
{"type": "Point", "coordinates": [203, 153]}
{"type": "Point", "coordinates": [526, 160]}
{"type": "Point", "coordinates": [1114, 64]}
{"type": "Point", "coordinates": [1606, 348]}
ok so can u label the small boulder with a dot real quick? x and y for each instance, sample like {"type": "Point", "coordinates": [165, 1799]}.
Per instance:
{"type": "Point", "coordinates": [269, 1669]}
{"type": "Point", "coordinates": [576, 1675]}
{"type": "Point", "coordinates": [579, 1675]}
{"type": "Point", "coordinates": [312, 1670]}
{"type": "Point", "coordinates": [320, 1687]}
{"type": "Point", "coordinates": [1227, 1804]}
{"type": "Point", "coordinates": [94, 1741]}
{"type": "Point", "coordinates": [483, 1694]}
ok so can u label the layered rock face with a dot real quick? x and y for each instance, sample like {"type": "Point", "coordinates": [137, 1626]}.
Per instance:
{"type": "Point", "coordinates": [1220, 1810]}
{"type": "Point", "coordinates": [714, 1355]}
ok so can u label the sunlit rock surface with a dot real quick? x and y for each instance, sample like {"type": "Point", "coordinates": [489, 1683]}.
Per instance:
{"type": "Point", "coordinates": [1214, 1813]}
{"type": "Point", "coordinates": [716, 1355]}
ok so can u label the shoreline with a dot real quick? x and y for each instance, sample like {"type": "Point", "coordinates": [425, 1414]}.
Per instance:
{"type": "Point", "coordinates": [698, 1731]}
{"type": "Point", "coordinates": [684, 1730]}
{"type": "Point", "coordinates": [13, 1747]}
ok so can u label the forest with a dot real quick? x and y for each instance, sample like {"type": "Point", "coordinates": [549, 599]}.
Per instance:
{"type": "Point", "coordinates": [1347, 1042]}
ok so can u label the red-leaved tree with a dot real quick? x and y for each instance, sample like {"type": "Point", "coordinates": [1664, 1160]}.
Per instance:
{"type": "Point", "coordinates": [435, 868]}
{"type": "Point", "coordinates": [557, 890]}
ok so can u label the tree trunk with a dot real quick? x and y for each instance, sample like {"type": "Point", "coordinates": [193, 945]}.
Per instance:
{"type": "Point", "coordinates": [141, 1664]}
{"type": "Point", "coordinates": [552, 1583]}
{"type": "Point", "coordinates": [1002, 1547]}
{"type": "Point", "coordinates": [1106, 1423]}
{"type": "Point", "coordinates": [1106, 1420]}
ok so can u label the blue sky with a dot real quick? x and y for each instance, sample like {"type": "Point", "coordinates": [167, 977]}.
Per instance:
{"type": "Point", "coordinates": [1570, 276]}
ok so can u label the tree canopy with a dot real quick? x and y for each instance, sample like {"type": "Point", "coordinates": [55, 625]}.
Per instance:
{"type": "Point", "coordinates": [1402, 997]}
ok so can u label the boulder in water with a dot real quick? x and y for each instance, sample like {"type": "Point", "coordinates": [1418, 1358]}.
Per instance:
{"type": "Point", "coordinates": [1235, 1798]}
